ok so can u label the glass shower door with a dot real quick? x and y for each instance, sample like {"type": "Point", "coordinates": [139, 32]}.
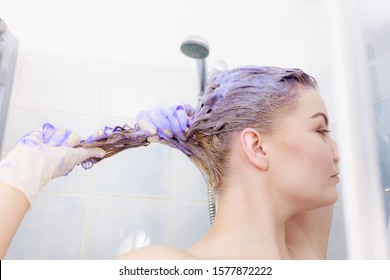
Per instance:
{"type": "Point", "coordinates": [360, 66]}
{"type": "Point", "coordinates": [377, 40]}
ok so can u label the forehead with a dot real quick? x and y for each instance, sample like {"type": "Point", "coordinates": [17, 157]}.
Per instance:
{"type": "Point", "coordinates": [308, 103]}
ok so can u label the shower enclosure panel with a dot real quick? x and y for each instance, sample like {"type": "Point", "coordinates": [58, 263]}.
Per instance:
{"type": "Point", "coordinates": [377, 41]}
{"type": "Point", "coordinates": [360, 64]}
{"type": "Point", "coordinates": [8, 54]}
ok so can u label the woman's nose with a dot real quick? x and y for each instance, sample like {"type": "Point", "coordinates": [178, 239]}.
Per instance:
{"type": "Point", "coordinates": [335, 151]}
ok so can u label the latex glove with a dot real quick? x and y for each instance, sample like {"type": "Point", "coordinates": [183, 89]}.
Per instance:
{"type": "Point", "coordinates": [100, 134]}
{"type": "Point", "coordinates": [41, 156]}
{"type": "Point", "coordinates": [166, 124]}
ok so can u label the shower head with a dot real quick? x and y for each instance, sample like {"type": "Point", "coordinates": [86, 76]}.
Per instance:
{"type": "Point", "coordinates": [198, 48]}
{"type": "Point", "coordinates": [195, 47]}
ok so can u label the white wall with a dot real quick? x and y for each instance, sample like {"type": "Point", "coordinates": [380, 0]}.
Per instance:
{"type": "Point", "coordinates": [88, 63]}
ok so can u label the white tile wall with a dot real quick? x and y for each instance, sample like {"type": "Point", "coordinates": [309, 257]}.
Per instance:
{"type": "Point", "coordinates": [88, 63]}
{"type": "Point", "coordinates": [316, 21]}
{"type": "Point", "coordinates": [194, 189]}
{"type": "Point", "coordinates": [72, 12]}
{"type": "Point", "coordinates": [118, 225]}
{"type": "Point", "coordinates": [15, 10]}
{"type": "Point", "coordinates": [69, 84]}
{"type": "Point", "coordinates": [219, 22]}
{"type": "Point", "coordinates": [157, 18]}
{"type": "Point", "coordinates": [140, 172]}
{"type": "Point", "coordinates": [138, 72]}
{"type": "Point", "coordinates": [276, 26]}
{"type": "Point", "coordinates": [52, 229]}
{"type": "Point", "coordinates": [184, 231]}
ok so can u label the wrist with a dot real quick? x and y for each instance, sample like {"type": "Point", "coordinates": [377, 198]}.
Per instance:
{"type": "Point", "coordinates": [21, 181]}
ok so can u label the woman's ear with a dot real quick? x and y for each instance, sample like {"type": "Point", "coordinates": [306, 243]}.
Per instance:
{"type": "Point", "coordinates": [252, 146]}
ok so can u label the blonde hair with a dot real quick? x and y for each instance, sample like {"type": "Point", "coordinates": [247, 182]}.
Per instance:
{"type": "Point", "coordinates": [236, 99]}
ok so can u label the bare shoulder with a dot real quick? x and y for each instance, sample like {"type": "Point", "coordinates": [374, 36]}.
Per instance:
{"type": "Point", "coordinates": [156, 252]}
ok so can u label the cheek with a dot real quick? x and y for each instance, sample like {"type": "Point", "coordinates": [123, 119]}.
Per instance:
{"type": "Point", "coordinates": [302, 166]}
{"type": "Point", "coordinates": [316, 160]}
{"type": "Point", "coordinates": [304, 162]}
{"type": "Point", "coordinates": [303, 175]}
{"type": "Point", "coordinates": [323, 156]}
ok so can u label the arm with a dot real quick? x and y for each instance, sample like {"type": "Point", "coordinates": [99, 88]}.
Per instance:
{"type": "Point", "coordinates": [37, 158]}
{"type": "Point", "coordinates": [13, 206]}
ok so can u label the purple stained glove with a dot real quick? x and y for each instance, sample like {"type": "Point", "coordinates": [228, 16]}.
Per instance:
{"type": "Point", "coordinates": [166, 124]}
{"type": "Point", "coordinates": [100, 134]}
{"type": "Point", "coordinates": [42, 155]}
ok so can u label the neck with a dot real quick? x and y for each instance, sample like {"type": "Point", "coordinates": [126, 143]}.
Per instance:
{"type": "Point", "coordinates": [247, 226]}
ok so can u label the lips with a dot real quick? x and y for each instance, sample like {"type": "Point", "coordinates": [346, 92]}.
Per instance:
{"type": "Point", "coordinates": [336, 176]}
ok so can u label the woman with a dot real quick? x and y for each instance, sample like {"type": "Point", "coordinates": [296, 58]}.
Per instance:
{"type": "Point", "coordinates": [260, 137]}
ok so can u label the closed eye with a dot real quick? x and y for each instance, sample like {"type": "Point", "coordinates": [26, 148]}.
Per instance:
{"type": "Point", "coordinates": [323, 131]}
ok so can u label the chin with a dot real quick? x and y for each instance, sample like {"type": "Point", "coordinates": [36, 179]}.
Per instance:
{"type": "Point", "coordinates": [331, 196]}
{"type": "Point", "coordinates": [327, 198]}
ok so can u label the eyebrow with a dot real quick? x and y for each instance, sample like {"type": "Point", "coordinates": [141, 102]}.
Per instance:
{"type": "Point", "coordinates": [319, 114]}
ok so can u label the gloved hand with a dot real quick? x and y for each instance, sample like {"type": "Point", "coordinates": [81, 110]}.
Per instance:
{"type": "Point", "coordinates": [99, 134]}
{"type": "Point", "coordinates": [165, 124]}
{"type": "Point", "coordinates": [41, 156]}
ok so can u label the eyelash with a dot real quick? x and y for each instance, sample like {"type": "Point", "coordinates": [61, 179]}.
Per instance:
{"type": "Point", "coordinates": [323, 131]}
